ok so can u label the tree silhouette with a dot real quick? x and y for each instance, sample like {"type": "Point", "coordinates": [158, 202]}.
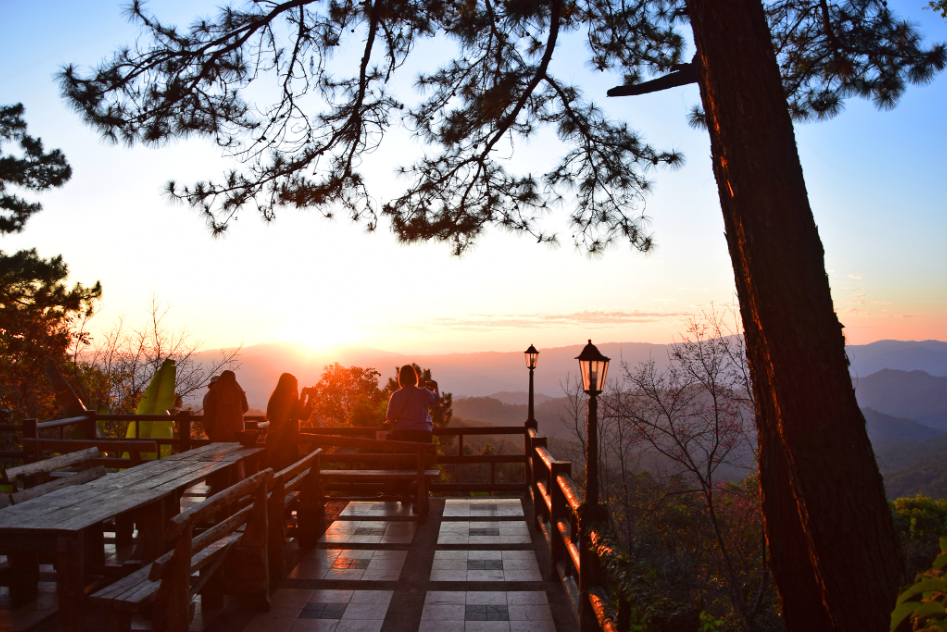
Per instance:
{"type": "Point", "coordinates": [757, 67]}
{"type": "Point", "coordinates": [37, 309]}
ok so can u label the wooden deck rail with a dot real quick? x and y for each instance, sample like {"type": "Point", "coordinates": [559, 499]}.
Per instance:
{"type": "Point", "coordinates": [181, 443]}
{"type": "Point", "coordinates": [460, 458]}
{"type": "Point", "coordinates": [573, 530]}
{"type": "Point", "coordinates": [26, 428]}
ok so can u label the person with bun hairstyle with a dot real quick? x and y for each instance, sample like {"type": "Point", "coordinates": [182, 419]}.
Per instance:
{"type": "Point", "coordinates": [224, 406]}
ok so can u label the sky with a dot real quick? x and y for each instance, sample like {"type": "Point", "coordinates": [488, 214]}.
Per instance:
{"type": "Point", "coordinates": [876, 181]}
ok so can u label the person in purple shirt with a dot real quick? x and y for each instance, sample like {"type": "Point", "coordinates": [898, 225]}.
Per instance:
{"type": "Point", "coordinates": [408, 408]}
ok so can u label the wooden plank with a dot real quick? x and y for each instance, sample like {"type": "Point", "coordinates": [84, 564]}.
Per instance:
{"type": "Point", "coordinates": [375, 473]}
{"type": "Point", "coordinates": [103, 445]}
{"type": "Point", "coordinates": [215, 503]}
{"type": "Point", "coordinates": [86, 505]}
{"type": "Point", "coordinates": [48, 465]}
{"type": "Point", "coordinates": [76, 479]}
{"type": "Point", "coordinates": [372, 444]}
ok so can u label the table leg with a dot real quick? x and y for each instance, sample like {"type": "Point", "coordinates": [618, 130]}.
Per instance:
{"type": "Point", "coordinates": [151, 522]}
{"type": "Point", "coordinates": [24, 576]}
{"type": "Point", "coordinates": [70, 580]}
{"type": "Point", "coordinates": [95, 550]}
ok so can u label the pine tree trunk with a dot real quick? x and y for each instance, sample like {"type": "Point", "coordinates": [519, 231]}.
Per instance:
{"type": "Point", "coordinates": [835, 556]}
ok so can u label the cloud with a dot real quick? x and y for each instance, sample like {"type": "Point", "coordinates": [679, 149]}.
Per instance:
{"type": "Point", "coordinates": [881, 302]}
{"type": "Point", "coordinates": [855, 276]}
{"type": "Point", "coordinates": [479, 322]}
{"type": "Point", "coordinates": [856, 311]}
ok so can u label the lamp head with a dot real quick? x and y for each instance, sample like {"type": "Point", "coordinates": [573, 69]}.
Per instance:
{"type": "Point", "coordinates": [532, 357]}
{"type": "Point", "coordinates": [593, 366]}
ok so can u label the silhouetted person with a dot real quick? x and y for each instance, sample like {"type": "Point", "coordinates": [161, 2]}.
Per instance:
{"type": "Point", "coordinates": [408, 408]}
{"type": "Point", "coordinates": [224, 406]}
{"type": "Point", "coordinates": [284, 410]}
{"type": "Point", "coordinates": [408, 411]}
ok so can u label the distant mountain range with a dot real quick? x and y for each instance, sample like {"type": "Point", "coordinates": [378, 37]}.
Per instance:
{"type": "Point", "coordinates": [505, 372]}
{"type": "Point", "coordinates": [905, 355]}
{"type": "Point", "coordinates": [901, 386]}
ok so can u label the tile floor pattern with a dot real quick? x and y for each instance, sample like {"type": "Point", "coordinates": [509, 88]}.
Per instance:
{"type": "Point", "coordinates": [353, 565]}
{"type": "Point", "coordinates": [486, 611]}
{"type": "Point", "coordinates": [295, 610]}
{"type": "Point", "coordinates": [374, 509]}
{"type": "Point", "coordinates": [369, 532]}
{"type": "Point", "coordinates": [488, 532]}
{"type": "Point", "coordinates": [485, 566]}
{"type": "Point", "coordinates": [498, 507]}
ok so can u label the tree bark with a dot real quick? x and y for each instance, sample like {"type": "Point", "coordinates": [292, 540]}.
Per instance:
{"type": "Point", "coordinates": [835, 556]}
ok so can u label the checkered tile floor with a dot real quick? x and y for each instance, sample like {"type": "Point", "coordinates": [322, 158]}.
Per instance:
{"type": "Point", "coordinates": [489, 532]}
{"type": "Point", "coordinates": [369, 532]}
{"type": "Point", "coordinates": [353, 565]}
{"type": "Point", "coordinates": [483, 566]}
{"type": "Point", "coordinates": [296, 610]}
{"type": "Point", "coordinates": [499, 507]}
{"type": "Point", "coordinates": [369, 509]}
{"type": "Point", "coordinates": [486, 611]}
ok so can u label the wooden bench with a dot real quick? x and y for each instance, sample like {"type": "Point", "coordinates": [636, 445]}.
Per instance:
{"type": "Point", "coordinates": [417, 456]}
{"type": "Point", "coordinates": [221, 560]}
{"type": "Point", "coordinates": [294, 488]}
{"type": "Point", "coordinates": [32, 480]}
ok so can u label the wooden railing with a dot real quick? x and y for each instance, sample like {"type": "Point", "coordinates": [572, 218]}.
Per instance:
{"type": "Point", "coordinates": [576, 531]}
{"type": "Point", "coordinates": [492, 460]}
{"type": "Point", "coordinates": [578, 536]}
{"type": "Point", "coordinates": [183, 440]}
{"type": "Point", "coordinates": [26, 429]}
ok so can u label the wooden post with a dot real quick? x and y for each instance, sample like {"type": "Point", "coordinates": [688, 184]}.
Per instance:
{"type": "Point", "coordinates": [70, 576]}
{"type": "Point", "coordinates": [24, 577]}
{"type": "Point", "coordinates": [172, 610]}
{"type": "Point", "coordinates": [251, 564]}
{"type": "Point", "coordinates": [277, 530]}
{"type": "Point", "coordinates": [560, 511]}
{"type": "Point", "coordinates": [539, 473]}
{"type": "Point", "coordinates": [184, 431]}
{"type": "Point", "coordinates": [30, 431]}
{"type": "Point", "coordinates": [311, 514]}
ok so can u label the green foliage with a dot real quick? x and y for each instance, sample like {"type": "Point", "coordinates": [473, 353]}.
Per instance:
{"type": "Point", "coordinates": [923, 602]}
{"type": "Point", "coordinates": [38, 314]}
{"type": "Point", "coordinates": [348, 396]}
{"type": "Point", "coordinates": [940, 6]}
{"type": "Point", "coordinates": [34, 170]}
{"type": "Point", "coordinates": [920, 522]}
{"type": "Point", "coordinates": [38, 311]}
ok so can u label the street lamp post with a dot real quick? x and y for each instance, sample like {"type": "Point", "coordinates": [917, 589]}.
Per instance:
{"type": "Point", "coordinates": [593, 366]}
{"type": "Point", "coordinates": [532, 359]}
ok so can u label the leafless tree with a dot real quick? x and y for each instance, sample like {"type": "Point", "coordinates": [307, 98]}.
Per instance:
{"type": "Point", "coordinates": [697, 416]}
{"type": "Point", "coordinates": [113, 372]}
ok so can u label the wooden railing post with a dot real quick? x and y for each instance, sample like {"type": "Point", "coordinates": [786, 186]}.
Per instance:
{"type": "Point", "coordinates": [30, 431]}
{"type": "Point", "coordinates": [530, 425]}
{"type": "Point", "coordinates": [539, 473]}
{"type": "Point", "coordinates": [184, 431]}
{"type": "Point", "coordinates": [560, 511]}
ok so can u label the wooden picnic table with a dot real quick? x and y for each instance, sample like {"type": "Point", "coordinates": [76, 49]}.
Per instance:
{"type": "Point", "coordinates": [68, 522]}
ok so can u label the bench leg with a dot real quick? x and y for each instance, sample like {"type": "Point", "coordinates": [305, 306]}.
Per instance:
{"type": "Point", "coordinates": [311, 512]}
{"type": "Point", "coordinates": [24, 571]}
{"type": "Point", "coordinates": [276, 533]}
